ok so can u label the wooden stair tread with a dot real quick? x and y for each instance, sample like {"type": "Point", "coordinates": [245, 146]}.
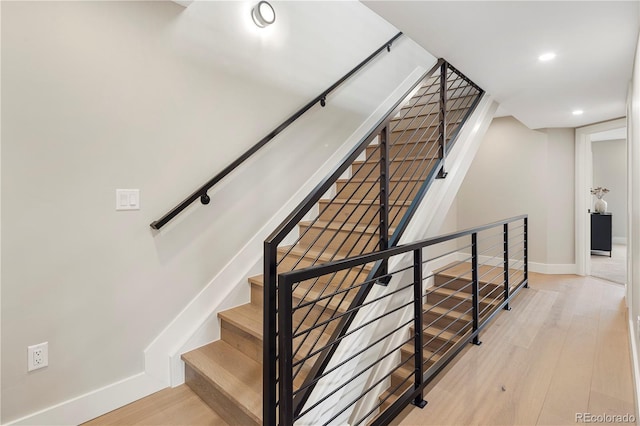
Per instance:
{"type": "Point", "coordinates": [447, 313]}
{"type": "Point", "coordinates": [247, 317]}
{"type": "Point", "coordinates": [236, 375]}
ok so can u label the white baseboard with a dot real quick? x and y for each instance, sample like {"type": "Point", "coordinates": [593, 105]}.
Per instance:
{"type": "Point", "coordinates": [95, 403]}
{"type": "Point", "coordinates": [619, 240]}
{"type": "Point", "coordinates": [554, 268]}
{"type": "Point", "coordinates": [633, 348]}
{"type": "Point", "coordinates": [541, 268]}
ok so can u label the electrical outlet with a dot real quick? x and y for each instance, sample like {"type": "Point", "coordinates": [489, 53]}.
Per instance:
{"type": "Point", "coordinates": [37, 356]}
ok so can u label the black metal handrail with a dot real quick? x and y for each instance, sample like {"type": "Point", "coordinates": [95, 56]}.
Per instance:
{"type": "Point", "coordinates": [464, 297]}
{"type": "Point", "coordinates": [410, 138]}
{"type": "Point", "coordinates": [201, 192]}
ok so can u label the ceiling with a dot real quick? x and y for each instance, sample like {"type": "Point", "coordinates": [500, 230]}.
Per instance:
{"type": "Point", "coordinates": [497, 44]}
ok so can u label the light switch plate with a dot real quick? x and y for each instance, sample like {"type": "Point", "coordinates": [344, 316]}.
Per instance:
{"type": "Point", "coordinates": [127, 199]}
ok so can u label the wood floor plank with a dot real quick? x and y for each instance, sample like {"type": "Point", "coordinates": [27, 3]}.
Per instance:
{"type": "Point", "coordinates": [171, 406]}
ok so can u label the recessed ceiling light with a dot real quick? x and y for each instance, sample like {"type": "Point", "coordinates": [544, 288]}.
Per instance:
{"type": "Point", "coordinates": [577, 112]}
{"type": "Point", "coordinates": [546, 57]}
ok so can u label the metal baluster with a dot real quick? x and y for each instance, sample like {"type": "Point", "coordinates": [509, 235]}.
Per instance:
{"type": "Point", "coordinates": [526, 252]}
{"type": "Point", "coordinates": [384, 199]}
{"type": "Point", "coordinates": [474, 285]}
{"type": "Point", "coordinates": [285, 340]}
{"type": "Point", "coordinates": [443, 119]}
{"type": "Point", "coordinates": [506, 265]}
{"type": "Point", "coordinates": [418, 320]}
{"type": "Point", "coordinates": [269, 375]}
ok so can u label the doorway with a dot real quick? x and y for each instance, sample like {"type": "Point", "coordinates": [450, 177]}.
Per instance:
{"type": "Point", "coordinates": [609, 228]}
{"type": "Point", "coordinates": [601, 162]}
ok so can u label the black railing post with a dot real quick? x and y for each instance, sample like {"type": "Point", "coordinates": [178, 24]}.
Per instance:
{"type": "Point", "coordinates": [418, 401]}
{"type": "Point", "coordinates": [443, 120]}
{"type": "Point", "coordinates": [269, 349]}
{"type": "Point", "coordinates": [506, 264]}
{"type": "Point", "coordinates": [285, 353]}
{"type": "Point", "coordinates": [526, 252]}
{"type": "Point", "coordinates": [384, 197]}
{"type": "Point", "coordinates": [475, 288]}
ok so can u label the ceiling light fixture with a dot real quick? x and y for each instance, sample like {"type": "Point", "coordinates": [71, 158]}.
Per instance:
{"type": "Point", "coordinates": [546, 57]}
{"type": "Point", "coordinates": [577, 112]}
{"type": "Point", "coordinates": [263, 14]}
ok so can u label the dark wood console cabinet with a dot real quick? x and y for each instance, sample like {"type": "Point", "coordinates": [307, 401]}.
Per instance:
{"type": "Point", "coordinates": [601, 232]}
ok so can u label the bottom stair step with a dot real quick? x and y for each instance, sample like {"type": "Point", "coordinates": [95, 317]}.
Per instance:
{"type": "Point", "coordinates": [227, 380]}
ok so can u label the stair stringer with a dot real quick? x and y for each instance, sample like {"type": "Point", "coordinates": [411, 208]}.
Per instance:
{"type": "Point", "coordinates": [424, 224]}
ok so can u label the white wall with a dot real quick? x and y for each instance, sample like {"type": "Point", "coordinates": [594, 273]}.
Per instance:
{"type": "Point", "coordinates": [148, 95]}
{"type": "Point", "coordinates": [610, 171]}
{"type": "Point", "coordinates": [633, 218]}
{"type": "Point", "coordinates": [523, 171]}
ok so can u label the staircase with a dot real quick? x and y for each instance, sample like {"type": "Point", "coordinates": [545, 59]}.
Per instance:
{"type": "Point", "coordinates": [228, 373]}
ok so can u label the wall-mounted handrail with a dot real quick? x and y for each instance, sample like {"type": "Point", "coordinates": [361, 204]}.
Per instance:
{"type": "Point", "coordinates": [201, 192]}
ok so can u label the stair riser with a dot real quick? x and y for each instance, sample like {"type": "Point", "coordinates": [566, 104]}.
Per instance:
{"type": "Point", "coordinates": [444, 322]}
{"type": "Point", "coordinates": [251, 345]}
{"type": "Point", "coordinates": [241, 340]}
{"type": "Point", "coordinates": [465, 285]}
{"type": "Point", "coordinates": [403, 150]}
{"type": "Point", "coordinates": [397, 169]}
{"type": "Point", "coordinates": [354, 213]}
{"type": "Point", "coordinates": [346, 242]}
{"type": "Point", "coordinates": [227, 408]}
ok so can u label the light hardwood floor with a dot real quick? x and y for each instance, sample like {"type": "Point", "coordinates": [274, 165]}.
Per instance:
{"type": "Point", "coordinates": [562, 350]}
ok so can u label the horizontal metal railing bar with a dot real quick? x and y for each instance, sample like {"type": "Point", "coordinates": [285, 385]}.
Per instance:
{"type": "Point", "coordinates": [350, 332]}
{"type": "Point", "coordinates": [373, 386]}
{"type": "Point", "coordinates": [446, 314]}
{"type": "Point", "coordinates": [347, 382]}
{"type": "Point", "coordinates": [439, 365]}
{"type": "Point", "coordinates": [336, 293]}
{"type": "Point", "coordinates": [514, 255]}
{"type": "Point", "coordinates": [512, 237]}
{"type": "Point", "coordinates": [458, 250]}
{"type": "Point", "coordinates": [432, 372]}
{"type": "Point", "coordinates": [157, 224]}
{"type": "Point", "coordinates": [336, 317]}
{"type": "Point", "coordinates": [371, 188]}
{"type": "Point", "coordinates": [391, 352]}
{"type": "Point", "coordinates": [299, 212]}
{"type": "Point", "coordinates": [464, 77]}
